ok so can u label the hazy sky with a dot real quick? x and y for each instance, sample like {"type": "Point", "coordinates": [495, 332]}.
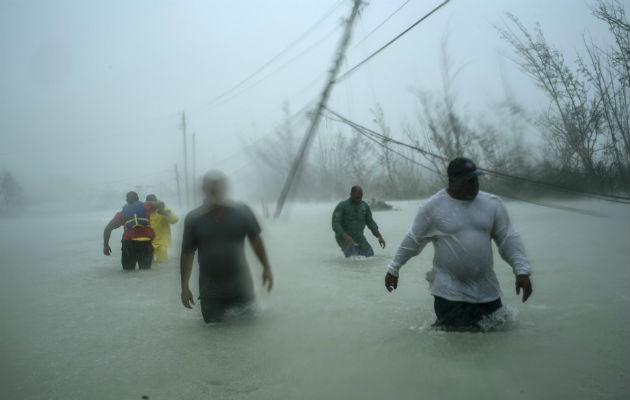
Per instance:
{"type": "Point", "coordinates": [94, 90]}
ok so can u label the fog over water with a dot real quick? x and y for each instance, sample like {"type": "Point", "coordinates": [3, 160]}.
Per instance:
{"type": "Point", "coordinates": [82, 82]}
{"type": "Point", "coordinates": [92, 97]}
{"type": "Point", "coordinates": [74, 325]}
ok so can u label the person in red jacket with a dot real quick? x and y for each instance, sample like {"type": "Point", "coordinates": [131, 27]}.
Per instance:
{"type": "Point", "coordinates": [138, 234]}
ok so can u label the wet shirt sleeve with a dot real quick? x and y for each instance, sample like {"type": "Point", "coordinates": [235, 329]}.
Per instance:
{"type": "Point", "coordinates": [337, 219]}
{"type": "Point", "coordinates": [252, 228]}
{"type": "Point", "coordinates": [509, 243]}
{"type": "Point", "coordinates": [189, 240]}
{"type": "Point", "coordinates": [369, 221]}
{"type": "Point", "coordinates": [413, 242]}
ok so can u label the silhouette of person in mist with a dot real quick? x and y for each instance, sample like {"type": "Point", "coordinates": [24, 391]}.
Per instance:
{"type": "Point", "coordinates": [216, 231]}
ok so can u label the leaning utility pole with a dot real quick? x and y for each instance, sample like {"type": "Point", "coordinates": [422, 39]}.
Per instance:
{"type": "Point", "coordinates": [297, 163]}
{"type": "Point", "coordinates": [185, 161]}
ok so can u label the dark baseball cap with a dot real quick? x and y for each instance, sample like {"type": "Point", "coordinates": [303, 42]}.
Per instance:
{"type": "Point", "coordinates": [462, 169]}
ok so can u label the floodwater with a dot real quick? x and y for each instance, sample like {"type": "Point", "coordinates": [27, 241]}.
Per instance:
{"type": "Point", "coordinates": [75, 326]}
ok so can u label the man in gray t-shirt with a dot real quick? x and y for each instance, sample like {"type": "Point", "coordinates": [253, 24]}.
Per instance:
{"type": "Point", "coordinates": [217, 231]}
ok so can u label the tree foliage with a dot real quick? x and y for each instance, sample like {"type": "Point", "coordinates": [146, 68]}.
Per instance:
{"type": "Point", "coordinates": [585, 129]}
{"type": "Point", "coordinates": [586, 123]}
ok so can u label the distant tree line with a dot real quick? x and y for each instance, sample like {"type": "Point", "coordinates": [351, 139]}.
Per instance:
{"type": "Point", "coordinates": [585, 130]}
{"type": "Point", "coordinates": [337, 160]}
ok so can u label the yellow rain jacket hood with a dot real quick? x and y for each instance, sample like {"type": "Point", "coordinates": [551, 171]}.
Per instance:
{"type": "Point", "coordinates": [161, 225]}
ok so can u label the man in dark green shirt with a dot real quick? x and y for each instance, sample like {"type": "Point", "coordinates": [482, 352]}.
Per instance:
{"type": "Point", "coordinates": [349, 220]}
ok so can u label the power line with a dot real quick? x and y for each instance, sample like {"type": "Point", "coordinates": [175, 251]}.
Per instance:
{"type": "Point", "coordinates": [227, 97]}
{"type": "Point", "coordinates": [383, 137]}
{"type": "Point", "coordinates": [601, 196]}
{"type": "Point", "coordinates": [380, 143]}
{"type": "Point", "coordinates": [502, 193]}
{"type": "Point", "coordinates": [278, 55]}
{"type": "Point", "coordinates": [381, 24]}
{"type": "Point", "coordinates": [323, 74]}
{"type": "Point", "coordinates": [291, 119]}
{"type": "Point", "coordinates": [280, 68]}
{"type": "Point", "coordinates": [353, 69]}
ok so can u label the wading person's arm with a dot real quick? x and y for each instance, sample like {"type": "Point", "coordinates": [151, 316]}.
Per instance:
{"type": "Point", "coordinates": [185, 266]}
{"type": "Point", "coordinates": [189, 245]}
{"type": "Point", "coordinates": [412, 244]}
{"type": "Point", "coordinates": [261, 253]}
{"type": "Point", "coordinates": [381, 241]}
{"type": "Point", "coordinates": [252, 230]}
{"type": "Point", "coordinates": [523, 282]}
{"type": "Point", "coordinates": [512, 251]}
{"type": "Point", "coordinates": [113, 224]}
{"type": "Point", "coordinates": [371, 224]}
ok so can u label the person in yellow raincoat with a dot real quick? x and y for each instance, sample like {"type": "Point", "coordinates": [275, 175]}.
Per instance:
{"type": "Point", "coordinates": [161, 221]}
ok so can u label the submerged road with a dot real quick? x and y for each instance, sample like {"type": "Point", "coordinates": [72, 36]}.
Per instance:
{"type": "Point", "coordinates": [74, 325]}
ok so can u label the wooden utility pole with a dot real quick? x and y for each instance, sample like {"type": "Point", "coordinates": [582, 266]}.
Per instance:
{"type": "Point", "coordinates": [179, 190]}
{"type": "Point", "coordinates": [297, 163]}
{"type": "Point", "coordinates": [187, 192]}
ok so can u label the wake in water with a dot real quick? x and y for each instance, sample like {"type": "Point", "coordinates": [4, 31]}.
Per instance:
{"type": "Point", "coordinates": [500, 321]}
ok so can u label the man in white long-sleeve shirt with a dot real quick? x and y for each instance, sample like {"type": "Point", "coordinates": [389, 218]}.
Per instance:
{"type": "Point", "coordinates": [460, 221]}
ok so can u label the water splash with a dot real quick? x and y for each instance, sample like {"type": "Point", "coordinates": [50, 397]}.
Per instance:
{"type": "Point", "coordinates": [500, 320]}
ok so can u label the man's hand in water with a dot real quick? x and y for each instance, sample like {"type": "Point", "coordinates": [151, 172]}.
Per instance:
{"type": "Point", "coordinates": [381, 241]}
{"type": "Point", "coordinates": [107, 250]}
{"type": "Point", "coordinates": [187, 298]}
{"type": "Point", "coordinates": [348, 239]}
{"type": "Point", "coordinates": [523, 282]}
{"type": "Point", "coordinates": [391, 282]}
{"type": "Point", "coordinates": [267, 278]}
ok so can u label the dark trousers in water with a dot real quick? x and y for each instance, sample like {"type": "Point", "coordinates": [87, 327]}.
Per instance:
{"type": "Point", "coordinates": [355, 250]}
{"type": "Point", "coordinates": [134, 251]}
{"type": "Point", "coordinates": [216, 309]}
{"type": "Point", "coordinates": [462, 316]}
